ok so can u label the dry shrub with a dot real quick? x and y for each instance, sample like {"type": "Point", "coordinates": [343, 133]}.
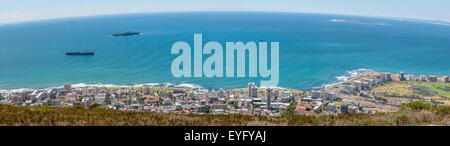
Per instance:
{"type": "Point", "coordinates": [47, 116]}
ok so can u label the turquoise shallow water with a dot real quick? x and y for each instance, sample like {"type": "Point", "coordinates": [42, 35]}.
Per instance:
{"type": "Point", "coordinates": [313, 50]}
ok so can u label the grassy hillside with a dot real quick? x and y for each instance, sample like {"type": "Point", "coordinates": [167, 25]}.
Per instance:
{"type": "Point", "coordinates": [47, 116]}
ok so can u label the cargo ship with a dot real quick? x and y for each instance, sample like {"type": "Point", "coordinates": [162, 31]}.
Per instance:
{"type": "Point", "coordinates": [80, 53]}
{"type": "Point", "coordinates": [125, 33]}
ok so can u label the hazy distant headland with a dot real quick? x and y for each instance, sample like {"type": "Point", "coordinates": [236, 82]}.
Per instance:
{"type": "Point", "coordinates": [357, 21]}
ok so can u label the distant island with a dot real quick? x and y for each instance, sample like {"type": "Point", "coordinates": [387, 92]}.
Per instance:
{"type": "Point", "coordinates": [357, 21]}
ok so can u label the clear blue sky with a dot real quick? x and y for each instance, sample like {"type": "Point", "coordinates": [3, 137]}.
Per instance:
{"type": "Point", "coordinates": [24, 10]}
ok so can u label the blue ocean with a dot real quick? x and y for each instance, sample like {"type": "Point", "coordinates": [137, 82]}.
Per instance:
{"type": "Point", "coordinates": [313, 50]}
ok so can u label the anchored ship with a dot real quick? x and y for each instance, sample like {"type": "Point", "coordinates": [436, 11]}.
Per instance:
{"type": "Point", "coordinates": [125, 33]}
{"type": "Point", "coordinates": [80, 53]}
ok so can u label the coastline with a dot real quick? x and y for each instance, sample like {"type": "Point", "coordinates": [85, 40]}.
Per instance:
{"type": "Point", "coordinates": [84, 85]}
{"type": "Point", "coordinates": [362, 91]}
{"type": "Point", "coordinates": [349, 76]}
{"type": "Point", "coordinates": [340, 79]}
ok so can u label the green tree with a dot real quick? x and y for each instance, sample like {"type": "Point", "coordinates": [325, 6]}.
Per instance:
{"type": "Point", "coordinates": [77, 105]}
{"type": "Point", "coordinates": [94, 106]}
{"type": "Point", "coordinates": [289, 111]}
{"type": "Point", "coordinates": [207, 109]}
{"type": "Point", "coordinates": [417, 105]}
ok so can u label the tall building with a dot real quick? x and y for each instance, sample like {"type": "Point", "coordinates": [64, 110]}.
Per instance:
{"type": "Point", "coordinates": [402, 76]}
{"type": "Point", "coordinates": [221, 93]}
{"type": "Point", "coordinates": [423, 78]}
{"type": "Point", "coordinates": [242, 96]}
{"type": "Point", "coordinates": [148, 89]}
{"type": "Point", "coordinates": [68, 87]}
{"type": "Point", "coordinates": [269, 93]}
{"type": "Point", "coordinates": [384, 76]}
{"type": "Point", "coordinates": [329, 96]}
{"type": "Point", "coordinates": [410, 77]}
{"type": "Point", "coordinates": [252, 90]}
{"type": "Point", "coordinates": [132, 90]}
{"type": "Point", "coordinates": [344, 108]}
{"type": "Point", "coordinates": [315, 94]}
{"type": "Point", "coordinates": [432, 78]}
{"type": "Point", "coordinates": [358, 84]}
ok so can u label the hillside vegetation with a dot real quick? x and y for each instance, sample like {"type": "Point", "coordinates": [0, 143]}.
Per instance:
{"type": "Point", "coordinates": [416, 113]}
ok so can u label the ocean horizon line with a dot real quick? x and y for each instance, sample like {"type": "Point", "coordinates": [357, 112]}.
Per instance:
{"type": "Point", "coordinates": [412, 19]}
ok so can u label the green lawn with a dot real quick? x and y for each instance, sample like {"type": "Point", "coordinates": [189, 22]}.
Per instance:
{"type": "Point", "coordinates": [441, 88]}
{"type": "Point", "coordinates": [397, 89]}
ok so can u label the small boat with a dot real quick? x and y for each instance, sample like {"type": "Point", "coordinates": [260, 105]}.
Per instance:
{"type": "Point", "coordinates": [80, 53]}
{"type": "Point", "coordinates": [125, 33]}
